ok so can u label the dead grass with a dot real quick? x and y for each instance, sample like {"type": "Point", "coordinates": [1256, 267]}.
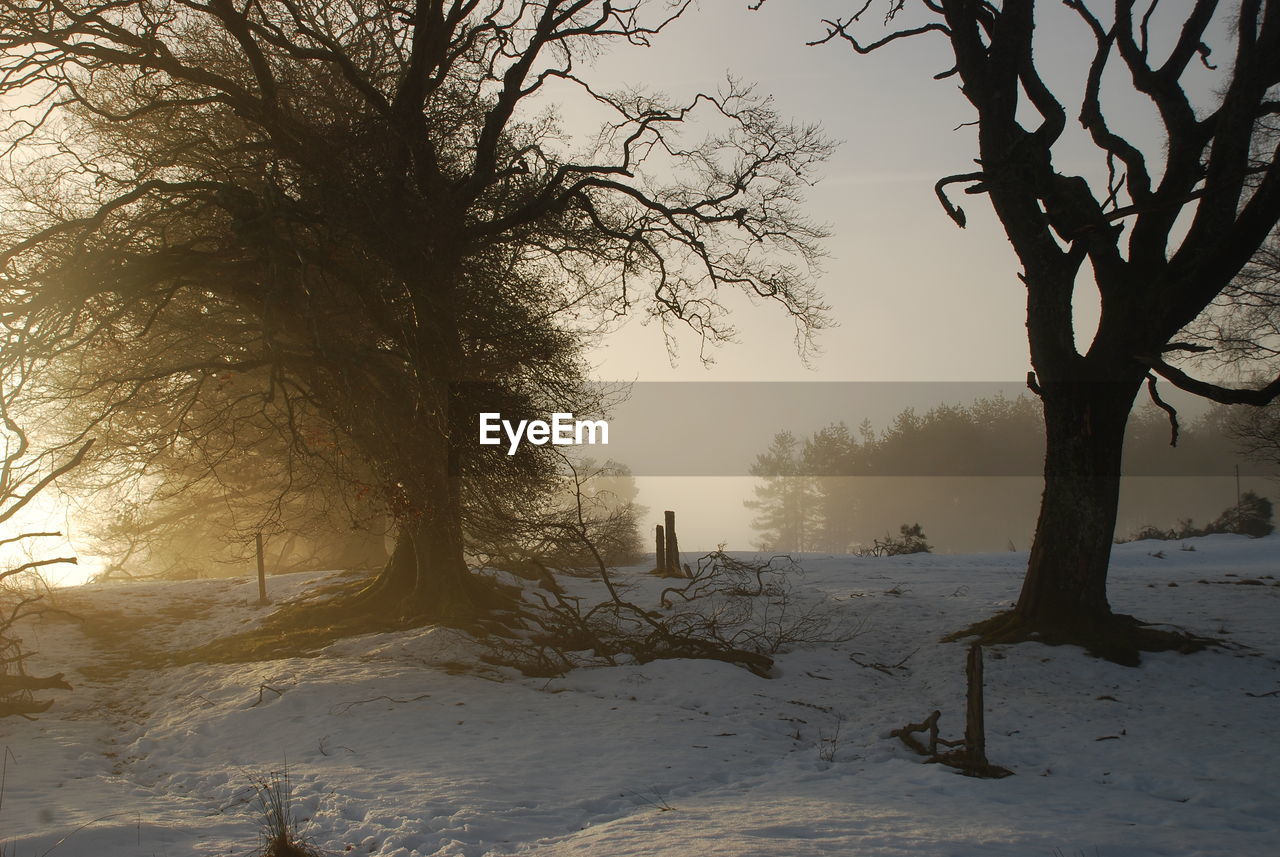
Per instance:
{"type": "Point", "coordinates": [273, 797]}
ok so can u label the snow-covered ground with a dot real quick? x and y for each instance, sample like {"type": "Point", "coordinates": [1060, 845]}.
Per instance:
{"type": "Point", "coordinates": [394, 749]}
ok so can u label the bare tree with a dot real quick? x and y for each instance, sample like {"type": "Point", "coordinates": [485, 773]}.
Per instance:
{"type": "Point", "coordinates": [1162, 229]}
{"type": "Point", "coordinates": [589, 518]}
{"type": "Point", "coordinates": [24, 474]}
{"type": "Point", "coordinates": [788, 513]}
{"type": "Point", "coordinates": [1243, 329]}
{"type": "Point", "coordinates": [1257, 434]}
{"type": "Point", "coordinates": [372, 187]}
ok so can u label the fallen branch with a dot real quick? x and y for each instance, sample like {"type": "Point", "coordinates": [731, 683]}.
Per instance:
{"type": "Point", "coordinates": [930, 724]}
{"type": "Point", "coordinates": [347, 706]}
{"type": "Point", "coordinates": [887, 669]}
{"type": "Point", "coordinates": [262, 688]}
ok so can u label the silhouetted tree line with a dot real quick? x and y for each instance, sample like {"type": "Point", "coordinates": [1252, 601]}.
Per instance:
{"type": "Point", "coordinates": [961, 470]}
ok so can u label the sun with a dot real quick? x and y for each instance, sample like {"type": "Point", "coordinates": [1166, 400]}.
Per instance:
{"type": "Point", "coordinates": [48, 528]}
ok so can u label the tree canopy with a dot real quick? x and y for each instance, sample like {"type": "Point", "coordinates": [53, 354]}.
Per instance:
{"type": "Point", "coordinates": [377, 209]}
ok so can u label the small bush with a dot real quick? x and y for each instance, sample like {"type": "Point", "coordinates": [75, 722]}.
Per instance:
{"type": "Point", "coordinates": [1251, 517]}
{"type": "Point", "coordinates": [910, 539]}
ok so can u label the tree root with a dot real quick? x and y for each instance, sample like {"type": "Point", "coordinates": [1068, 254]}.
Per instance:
{"type": "Point", "coordinates": [351, 608]}
{"type": "Point", "coordinates": [1118, 638]}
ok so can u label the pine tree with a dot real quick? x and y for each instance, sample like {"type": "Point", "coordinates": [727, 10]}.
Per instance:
{"type": "Point", "coordinates": [786, 503]}
{"type": "Point", "coordinates": [832, 456]}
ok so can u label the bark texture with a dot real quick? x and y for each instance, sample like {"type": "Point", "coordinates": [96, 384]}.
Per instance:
{"type": "Point", "coordinates": [1066, 580]}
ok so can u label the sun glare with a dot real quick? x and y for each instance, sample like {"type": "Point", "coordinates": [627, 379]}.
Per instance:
{"type": "Point", "coordinates": [48, 513]}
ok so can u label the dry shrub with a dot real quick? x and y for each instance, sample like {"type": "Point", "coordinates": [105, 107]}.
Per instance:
{"type": "Point", "coordinates": [741, 611]}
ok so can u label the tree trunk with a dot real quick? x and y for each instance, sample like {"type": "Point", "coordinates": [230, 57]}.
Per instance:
{"type": "Point", "coordinates": [427, 575]}
{"type": "Point", "coordinates": [1066, 582]}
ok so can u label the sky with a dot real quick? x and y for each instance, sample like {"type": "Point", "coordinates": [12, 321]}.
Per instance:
{"type": "Point", "coordinates": [952, 313]}
{"type": "Point", "coordinates": [914, 297]}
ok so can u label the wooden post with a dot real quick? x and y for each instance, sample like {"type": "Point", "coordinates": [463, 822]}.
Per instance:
{"type": "Point", "coordinates": [262, 571]}
{"type": "Point", "coordinates": [660, 549]}
{"type": "Point", "coordinates": [673, 547]}
{"type": "Point", "coordinates": [975, 729]}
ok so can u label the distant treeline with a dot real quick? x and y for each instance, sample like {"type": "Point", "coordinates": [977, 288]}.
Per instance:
{"type": "Point", "coordinates": [971, 475]}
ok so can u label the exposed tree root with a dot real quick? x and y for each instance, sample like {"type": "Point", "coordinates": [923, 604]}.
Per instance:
{"type": "Point", "coordinates": [353, 607]}
{"type": "Point", "coordinates": [1118, 638]}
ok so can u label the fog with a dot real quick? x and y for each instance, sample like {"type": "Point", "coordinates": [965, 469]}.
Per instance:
{"type": "Point", "coordinates": [959, 514]}
{"type": "Point", "coordinates": [692, 446]}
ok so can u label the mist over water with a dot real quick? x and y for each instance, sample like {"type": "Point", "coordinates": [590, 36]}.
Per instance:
{"type": "Point", "coordinates": [973, 487]}
{"type": "Point", "coordinates": [959, 514]}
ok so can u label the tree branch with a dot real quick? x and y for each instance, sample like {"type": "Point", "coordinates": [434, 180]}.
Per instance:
{"type": "Point", "coordinates": [1213, 392]}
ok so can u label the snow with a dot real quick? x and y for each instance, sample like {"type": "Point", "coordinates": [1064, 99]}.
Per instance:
{"type": "Point", "coordinates": [396, 749]}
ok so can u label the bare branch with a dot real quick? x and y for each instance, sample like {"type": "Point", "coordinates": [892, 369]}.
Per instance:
{"type": "Point", "coordinates": [837, 29]}
{"type": "Point", "coordinates": [1164, 406]}
{"type": "Point", "coordinates": [21, 500]}
{"type": "Point", "coordinates": [1214, 392]}
{"type": "Point", "coordinates": [954, 211]}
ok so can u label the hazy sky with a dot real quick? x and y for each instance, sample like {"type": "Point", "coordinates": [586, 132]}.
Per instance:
{"type": "Point", "coordinates": [915, 297]}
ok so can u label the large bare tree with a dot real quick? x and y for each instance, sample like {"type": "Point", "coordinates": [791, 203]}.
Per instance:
{"type": "Point", "coordinates": [1160, 225]}
{"type": "Point", "coordinates": [381, 189]}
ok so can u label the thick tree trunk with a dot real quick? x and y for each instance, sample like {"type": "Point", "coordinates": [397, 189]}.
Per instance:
{"type": "Point", "coordinates": [427, 576]}
{"type": "Point", "coordinates": [1066, 582]}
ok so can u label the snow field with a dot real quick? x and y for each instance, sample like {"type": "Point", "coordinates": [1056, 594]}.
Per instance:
{"type": "Point", "coordinates": [394, 751]}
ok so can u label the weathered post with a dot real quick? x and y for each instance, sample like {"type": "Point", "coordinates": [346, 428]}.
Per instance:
{"type": "Point", "coordinates": [660, 549]}
{"type": "Point", "coordinates": [262, 571]}
{"type": "Point", "coordinates": [975, 729]}
{"type": "Point", "coordinates": [673, 547]}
